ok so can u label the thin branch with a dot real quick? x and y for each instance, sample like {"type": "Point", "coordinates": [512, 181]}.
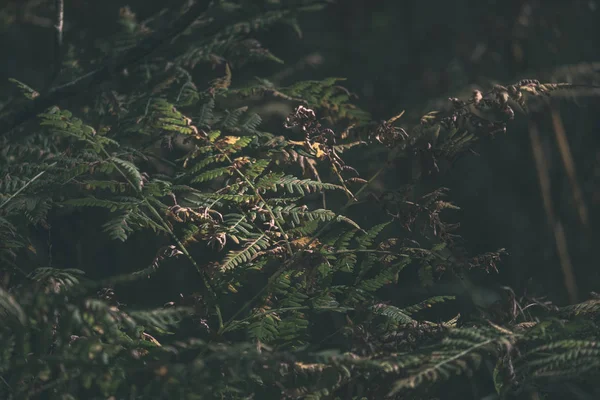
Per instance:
{"type": "Point", "coordinates": [27, 184]}
{"type": "Point", "coordinates": [556, 225]}
{"type": "Point", "coordinates": [569, 164]}
{"type": "Point", "coordinates": [59, 10]}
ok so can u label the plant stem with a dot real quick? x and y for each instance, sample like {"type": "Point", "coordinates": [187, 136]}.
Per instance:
{"type": "Point", "coordinates": [183, 249]}
{"type": "Point", "coordinates": [290, 261]}
{"type": "Point", "coordinates": [12, 196]}
{"type": "Point", "coordinates": [267, 207]}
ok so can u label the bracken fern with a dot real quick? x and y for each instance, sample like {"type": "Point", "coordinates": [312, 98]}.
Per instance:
{"type": "Point", "coordinates": [291, 301]}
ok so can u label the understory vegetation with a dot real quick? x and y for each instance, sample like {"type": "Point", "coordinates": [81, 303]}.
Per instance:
{"type": "Point", "coordinates": [173, 227]}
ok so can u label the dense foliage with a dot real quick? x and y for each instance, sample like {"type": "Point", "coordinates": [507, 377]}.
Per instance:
{"type": "Point", "coordinates": [236, 194]}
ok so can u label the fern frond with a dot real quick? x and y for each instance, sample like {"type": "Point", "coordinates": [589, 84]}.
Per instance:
{"type": "Point", "coordinates": [366, 240]}
{"type": "Point", "coordinates": [57, 279]}
{"type": "Point", "coordinates": [394, 313]}
{"type": "Point", "coordinates": [130, 172]}
{"type": "Point", "coordinates": [248, 253]}
{"type": "Point", "coordinates": [26, 90]}
{"type": "Point", "coordinates": [294, 185]}
{"type": "Point", "coordinates": [123, 204]}
{"type": "Point", "coordinates": [426, 304]}
{"type": "Point", "coordinates": [264, 329]}
{"type": "Point", "coordinates": [588, 307]}
{"type": "Point", "coordinates": [212, 174]}
{"type": "Point", "coordinates": [463, 350]}
{"type": "Point", "coordinates": [161, 320]}
{"type": "Point", "coordinates": [10, 310]}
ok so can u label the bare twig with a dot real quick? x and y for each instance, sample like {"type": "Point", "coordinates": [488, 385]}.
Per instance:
{"type": "Point", "coordinates": [59, 10]}
{"type": "Point", "coordinates": [15, 194]}
{"type": "Point", "coordinates": [556, 225]}
{"type": "Point", "coordinates": [569, 164]}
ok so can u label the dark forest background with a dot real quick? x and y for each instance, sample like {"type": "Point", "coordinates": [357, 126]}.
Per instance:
{"type": "Point", "coordinates": [413, 55]}
{"type": "Point", "coordinates": [396, 56]}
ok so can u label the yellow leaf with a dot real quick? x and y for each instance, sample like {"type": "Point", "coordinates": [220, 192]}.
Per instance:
{"type": "Point", "coordinates": [231, 139]}
{"type": "Point", "coordinates": [231, 288]}
{"type": "Point", "coordinates": [394, 118]}
{"type": "Point", "coordinates": [303, 241]}
{"type": "Point", "coordinates": [32, 249]}
{"type": "Point", "coordinates": [317, 148]}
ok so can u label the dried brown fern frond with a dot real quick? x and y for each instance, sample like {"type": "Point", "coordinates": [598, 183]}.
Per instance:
{"type": "Point", "coordinates": [319, 141]}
